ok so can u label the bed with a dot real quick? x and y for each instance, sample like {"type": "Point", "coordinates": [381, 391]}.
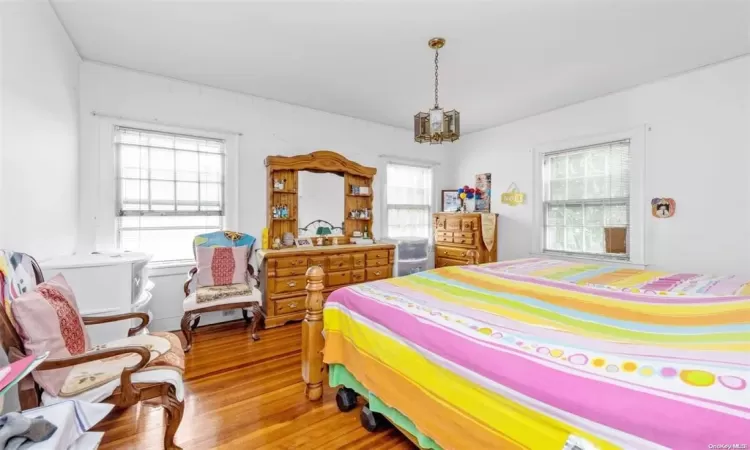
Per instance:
{"type": "Point", "coordinates": [541, 354]}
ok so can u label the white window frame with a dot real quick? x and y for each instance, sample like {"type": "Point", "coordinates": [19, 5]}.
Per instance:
{"type": "Point", "coordinates": [384, 191]}
{"type": "Point", "coordinates": [636, 238]}
{"type": "Point", "coordinates": [106, 219]}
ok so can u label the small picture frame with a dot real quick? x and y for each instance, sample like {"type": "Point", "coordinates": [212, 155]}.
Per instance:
{"type": "Point", "coordinates": [451, 201]}
{"type": "Point", "coordinates": [303, 242]}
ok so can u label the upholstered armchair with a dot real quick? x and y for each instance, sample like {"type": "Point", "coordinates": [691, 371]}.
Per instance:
{"type": "Point", "coordinates": [134, 369]}
{"type": "Point", "coordinates": [213, 284]}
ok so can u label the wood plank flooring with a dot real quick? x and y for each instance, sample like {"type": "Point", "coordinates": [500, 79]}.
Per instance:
{"type": "Point", "coordinates": [247, 395]}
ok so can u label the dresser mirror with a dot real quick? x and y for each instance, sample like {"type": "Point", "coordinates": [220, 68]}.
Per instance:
{"type": "Point", "coordinates": [321, 203]}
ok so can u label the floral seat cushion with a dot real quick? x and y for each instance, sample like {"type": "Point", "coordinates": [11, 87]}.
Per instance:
{"type": "Point", "coordinates": [166, 353]}
{"type": "Point", "coordinates": [212, 293]}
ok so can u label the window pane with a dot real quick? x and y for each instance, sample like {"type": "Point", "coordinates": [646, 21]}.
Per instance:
{"type": "Point", "coordinates": [133, 161]}
{"type": "Point", "coordinates": [168, 238]}
{"type": "Point", "coordinates": [187, 166]}
{"type": "Point", "coordinates": [574, 239]}
{"type": "Point", "coordinates": [555, 238]}
{"type": "Point", "coordinates": [409, 199]}
{"type": "Point", "coordinates": [409, 222]}
{"type": "Point", "coordinates": [187, 196]}
{"type": "Point", "coordinates": [162, 164]}
{"type": "Point", "coordinates": [211, 167]}
{"type": "Point", "coordinates": [589, 189]}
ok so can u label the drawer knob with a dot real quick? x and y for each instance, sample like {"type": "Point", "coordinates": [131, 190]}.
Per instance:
{"type": "Point", "coordinates": [445, 252]}
{"type": "Point", "coordinates": [377, 273]}
{"type": "Point", "coordinates": [292, 284]}
{"type": "Point", "coordinates": [293, 305]}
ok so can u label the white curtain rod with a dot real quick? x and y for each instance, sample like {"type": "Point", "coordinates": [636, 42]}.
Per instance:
{"type": "Point", "coordinates": [399, 159]}
{"type": "Point", "coordinates": [158, 122]}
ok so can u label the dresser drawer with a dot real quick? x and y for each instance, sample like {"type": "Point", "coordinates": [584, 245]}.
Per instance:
{"type": "Point", "coordinates": [377, 254]}
{"type": "Point", "coordinates": [377, 273]}
{"type": "Point", "coordinates": [339, 262]}
{"type": "Point", "coordinates": [444, 233]}
{"type": "Point", "coordinates": [453, 224]}
{"type": "Point", "coordinates": [317, 261]}
{"type": "Point", "coordinates": [469, 224]}
{"type": "Point", "coordinates": [291, 271]}
{"type": "Point", "coordinates": [450, 252]}
{"type": "Point", "coordinates": [463, 238]}
{"type": "Point", "coordinates": [358, 260]}
{"type": "Point", "coordinates": [290, 284]}
{"type": "Point", "coordinates": [445, 262]}
{"type": "Point", "coordinates": [289, 306]}
{"type": "Point", "coordinates": [295, 261]}
{"type": "Point", "coordinates": [338, 278]}
{"type": "Point", "coordinates": [358, 276]}
{"type": "Point", "coordinates": [377, 262]}
{"type": "Point", "coordinates": [445, 238]}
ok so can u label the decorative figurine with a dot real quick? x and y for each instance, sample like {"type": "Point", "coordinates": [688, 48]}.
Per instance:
{"type": "Point", "coordinates": [319, 241]}
{"type": "Point", "coordinates": [276, 243]}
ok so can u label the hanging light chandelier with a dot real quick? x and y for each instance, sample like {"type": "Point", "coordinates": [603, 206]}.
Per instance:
{"type": "Point", "coordinates": [436, 125]}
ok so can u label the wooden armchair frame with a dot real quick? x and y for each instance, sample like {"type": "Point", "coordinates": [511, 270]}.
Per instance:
{"type": "Point", "coordinates": [126, 395]}
{"type": "Point", "coordinates": [191, 319]}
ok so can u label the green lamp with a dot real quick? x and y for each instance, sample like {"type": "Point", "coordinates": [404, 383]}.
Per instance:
{"type": "Point", "coordinates": [323, 231]}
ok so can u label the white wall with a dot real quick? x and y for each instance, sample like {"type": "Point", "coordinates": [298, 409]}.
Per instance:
{"type": "Point", "coordinates": [39, 150]}
{"type": "Point", "coordinates": [268, 128]}
{"type": "Point", "coordinates": [697, 152]}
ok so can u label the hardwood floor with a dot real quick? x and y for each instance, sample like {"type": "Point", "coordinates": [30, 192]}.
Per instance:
{"type": "Point", "coordinates": [248, 395]}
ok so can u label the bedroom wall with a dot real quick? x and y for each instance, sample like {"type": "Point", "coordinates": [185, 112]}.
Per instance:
{"type": "Point", "coordinates": [268, 128]}
{"type": "Point", "coordinates": [39, 124]}
{"type": "Point", "coordinates": [697, 152]}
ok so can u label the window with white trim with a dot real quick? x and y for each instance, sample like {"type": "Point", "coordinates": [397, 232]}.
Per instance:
{"type": "Point", "coordinates": [408, 200]}
{"type": "Point", "coordinates": [586, 201]}
{"type": "Point", "coordinates": [170, 188]}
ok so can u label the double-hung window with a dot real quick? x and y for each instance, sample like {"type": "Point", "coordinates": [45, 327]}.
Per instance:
{"type": "Point", "coordinates": [409, 200]}
{"type": "Point", "coordinates": [586, 200]}
{"type": "Point", "coordinates": [170, 187]}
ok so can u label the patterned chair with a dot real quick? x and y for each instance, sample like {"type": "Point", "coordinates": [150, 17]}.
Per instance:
{"type": "Point", "coordinates": [202, 299]}
{"type": "Point", "coordinates": [125, 372]}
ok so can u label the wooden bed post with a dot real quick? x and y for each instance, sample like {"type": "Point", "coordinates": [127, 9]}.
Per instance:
{"type": "Point", "coordinates": [312, 334]}
{"type": "Point", "coordinates": [473, 256]}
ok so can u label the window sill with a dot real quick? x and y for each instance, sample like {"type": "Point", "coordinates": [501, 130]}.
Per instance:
{"type": "Point", "coordinates": [593, 259]}
{"type": "Point", "coordinates": [163, 269]}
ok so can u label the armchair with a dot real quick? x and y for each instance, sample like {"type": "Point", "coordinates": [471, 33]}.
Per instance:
{"type": "Point", "coordinates": [126, 385]}
{"type": "Point", "coordinates": [203, 299]}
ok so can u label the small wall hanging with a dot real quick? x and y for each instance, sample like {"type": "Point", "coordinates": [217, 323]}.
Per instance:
{"type": "Point", "coordinates": [483, 185]}
{"type": "Point", "coordinates": [663, 208]}
{"type": "Point", "coordinates": [513, 196]}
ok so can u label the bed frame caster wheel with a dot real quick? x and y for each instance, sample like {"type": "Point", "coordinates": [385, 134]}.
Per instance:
{"type": "Point", "coordinates": [371, 421]}
{"type": "Point", "coordinates": [346, 399]}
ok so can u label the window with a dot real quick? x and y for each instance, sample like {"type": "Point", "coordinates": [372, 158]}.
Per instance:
{"type": "Point", "coordinates": [170, 187]}
{"type": "Point", "coordinates": [409, 200]}
{"type": "Point", "coordinates": [586, 200]}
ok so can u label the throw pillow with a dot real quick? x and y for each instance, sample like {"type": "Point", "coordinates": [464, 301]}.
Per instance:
{"type": "Point", "coordinates": [48, 321]}
{"type": "Point", "coordinates": [219, 266]}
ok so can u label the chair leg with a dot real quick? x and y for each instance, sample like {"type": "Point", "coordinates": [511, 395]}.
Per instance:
{"type": "Point", "coordinates": [245, 316]}
{"type": "Point", "coordinates": [196, 322]}
{"type": "Point", "coordinates": [186, 331]}
{"type": "Point", "coordinates": [257, 317]}
{"type": "Point", "coordinates": [173, 410]}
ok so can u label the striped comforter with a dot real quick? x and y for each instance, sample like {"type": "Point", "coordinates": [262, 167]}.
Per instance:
{"type": "Point", "coordinates": [498, 356]}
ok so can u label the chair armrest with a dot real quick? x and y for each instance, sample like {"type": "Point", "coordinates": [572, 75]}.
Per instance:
{"type": "Point", "coordinates": [251, 274]}
{"type": "Point", "coordinates": [93, 320]}
{"type": "Point", "coordinates": [191, 275]}
{"type": "Point", "coordinates": [128, 392]}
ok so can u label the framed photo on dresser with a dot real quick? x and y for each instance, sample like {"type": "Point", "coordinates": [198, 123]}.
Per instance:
{"type": "Point", "coordinates": [451, 202]}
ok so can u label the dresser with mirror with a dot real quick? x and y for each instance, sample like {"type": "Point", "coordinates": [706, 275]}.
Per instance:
{"type": "Point", "coordinates": [324, 201]}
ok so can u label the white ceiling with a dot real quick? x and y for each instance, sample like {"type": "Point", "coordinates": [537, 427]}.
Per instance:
{"type": "Point", "coordinates": [504, 60]}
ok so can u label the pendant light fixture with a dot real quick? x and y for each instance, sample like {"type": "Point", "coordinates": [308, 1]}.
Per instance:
{"type": "Point", "coordinates": [436, 125]}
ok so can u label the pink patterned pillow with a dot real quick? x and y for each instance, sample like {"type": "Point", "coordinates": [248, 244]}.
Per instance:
{"type": "Point", "coordinates": [48, 321]}
{"type": "Point", "coordinates": [219, 266]}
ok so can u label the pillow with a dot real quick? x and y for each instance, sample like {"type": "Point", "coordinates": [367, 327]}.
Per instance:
{"type": "Point", "coordinates": [48, 321]}
{"type": "Point", "coordinates": [220, 266]}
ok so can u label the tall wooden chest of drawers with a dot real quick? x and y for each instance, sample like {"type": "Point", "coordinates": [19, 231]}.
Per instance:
{"type": "Point", "coordinates": [282, 274]}
{"type": "Point", "coordinates": [459, 239]}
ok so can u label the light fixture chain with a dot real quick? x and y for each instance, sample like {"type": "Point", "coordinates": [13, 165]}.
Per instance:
{"type": "Point", "coordinates": [436, 78]}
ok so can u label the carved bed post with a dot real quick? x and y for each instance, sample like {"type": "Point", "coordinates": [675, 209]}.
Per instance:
{"type": "Point", "coordinates": [473, 256]}
{"type": "Point", "coordinates": [312, 335]}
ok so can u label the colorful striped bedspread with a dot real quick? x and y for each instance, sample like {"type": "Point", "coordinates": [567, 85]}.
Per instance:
{"type": "Point", "coordinates": [532, 353]}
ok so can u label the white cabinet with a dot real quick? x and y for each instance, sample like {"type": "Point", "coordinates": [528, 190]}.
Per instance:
{"type": "Point", "coordinates": [106, 284]}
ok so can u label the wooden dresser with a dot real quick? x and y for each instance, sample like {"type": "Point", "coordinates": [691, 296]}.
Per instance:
{"type": "Point", "coordinates": [282, 274]}
{"type": "Point", "coordinates": [459, 239]}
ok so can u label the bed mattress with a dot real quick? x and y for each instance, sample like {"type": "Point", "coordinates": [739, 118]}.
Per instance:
{"type": "Point", "coordinates": [536, 353]}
